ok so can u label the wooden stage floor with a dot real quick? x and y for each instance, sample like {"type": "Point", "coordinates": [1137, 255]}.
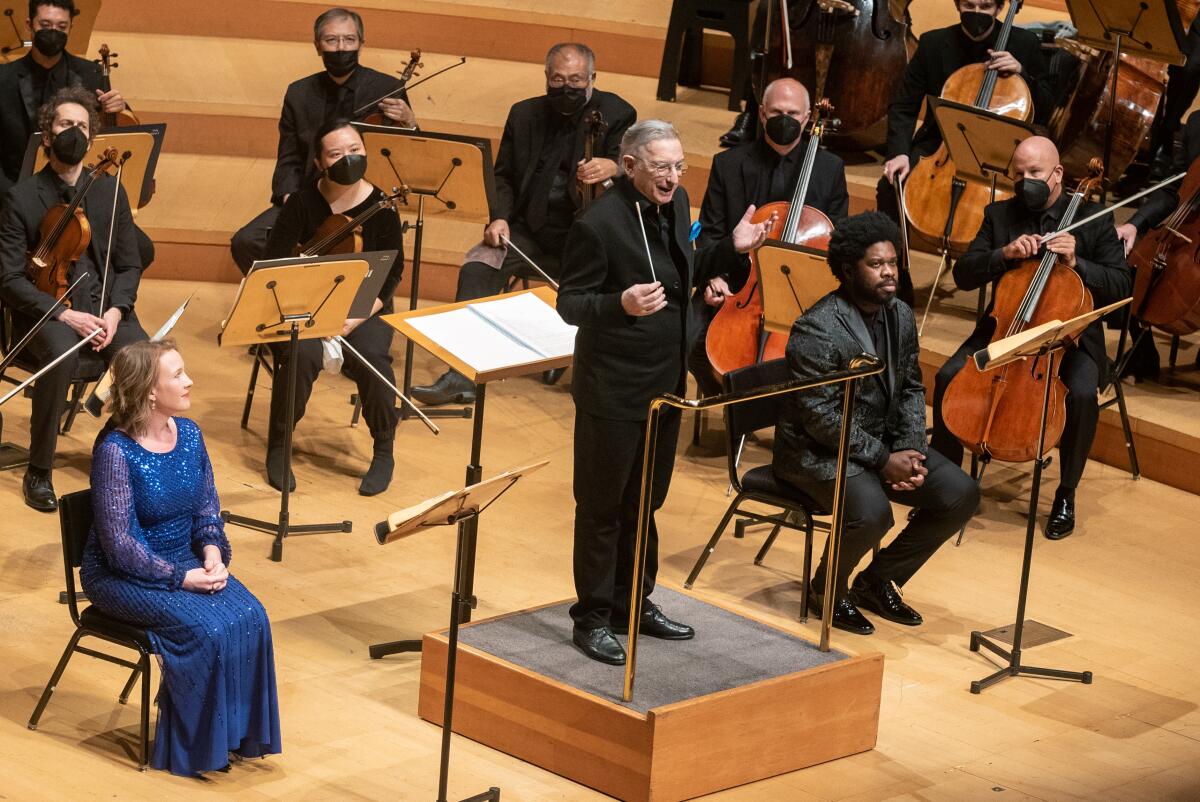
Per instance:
{"type": "Point", "coordinates": [1124, 584]}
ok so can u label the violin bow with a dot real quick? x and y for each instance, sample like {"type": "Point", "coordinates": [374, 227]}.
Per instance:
{"type": "Point", "coordinates": [1107, 209]}
{"type": "Point", "coordinates": [532, 263]}
{"type": "Point", "coordinates": [361, 110]}
{"type": "Point", "coordinates": [112, 224]}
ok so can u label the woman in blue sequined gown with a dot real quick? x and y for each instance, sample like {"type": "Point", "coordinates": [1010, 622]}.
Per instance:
{"type": "Point", "coordinates": [157, 557]}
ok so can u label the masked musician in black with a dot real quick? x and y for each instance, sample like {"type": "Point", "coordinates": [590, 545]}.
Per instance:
{"type": "Point", "coordinates": [539, 167]}
{"type": "Point", "coordinates": [337, 92]}
{"type": "Point", "coordinates": [341, 189]}
{"type": "Point", "coordinates": [67, 122]}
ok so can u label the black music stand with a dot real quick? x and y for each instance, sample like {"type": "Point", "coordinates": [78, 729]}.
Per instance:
{"type": "Point", "coordinates": [456, 172]}
{"type": "Point", "coordinates": [460, 508]}
{"type": "Point", "coordinates": [274, 304]}
{"type": "Point", "coordinates": [460, 348]}
{"type": "Point", "coordinates": [1043, 342]}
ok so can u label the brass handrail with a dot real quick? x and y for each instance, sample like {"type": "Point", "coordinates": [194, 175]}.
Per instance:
{"type": "Point", "coordinates": [860, 366]}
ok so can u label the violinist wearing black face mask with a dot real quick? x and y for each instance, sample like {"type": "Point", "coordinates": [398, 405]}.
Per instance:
{"type": "Point", "coordinates": [1012, 231]}
{"type": "Point", "coordinates": [343, 86]}
{"type": "Point", "coordinates": [341, 189]}
{"type": "Point", "coordinates": [30, 81]}
{"type": "Point", "coordinates": [755, 173]}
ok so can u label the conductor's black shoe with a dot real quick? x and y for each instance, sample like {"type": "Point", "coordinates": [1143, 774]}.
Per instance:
{"type": "Point", "coordinates": [451, 388]}
{"type": "Point", "coordinates": [553, 375]}
{"type": "Point", "coordinates": [599, 644]}
{"type": "Point", "coordinates": [275, 470]}
{"type": "Point", "coordinates": [741, 132]}
{"type": "Point", "coordinates": [654, 625]}
{"type": "Point", "coordinates": [39, 491]}
{"type": "Point", "coordinates": [1062, 516]}
{"type": "Point", "coordinates": [846, 616]}
{"type": "Point", "coordinates": [882, 597]}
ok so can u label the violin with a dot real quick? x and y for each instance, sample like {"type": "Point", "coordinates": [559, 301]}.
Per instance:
{"type": "Point", "coordinates": [376, 117]}
{"type": "Point", "coordinates": [1166, 287]}
{"type": "Point", "coordinates": [942, 207]}
{"type": "Point", "coordinates": [342, 234]}
{"type": "Point", "coordinates": [110, 119]}
{"type": "Point", "coordinates": [594, 133]}
{"type": "Point", "coordinates": [64, 234]}
{"type": "Point", "coordinates": [998, 413]}
{"type": "Point", "coordinates": [735, 337]}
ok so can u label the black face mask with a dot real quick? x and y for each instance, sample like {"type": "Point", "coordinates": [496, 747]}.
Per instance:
{"type": "Point", "coordinates": [49, 41]}
{"type": "Point", "coordinates": [1033, 192]}
{"type": "Point", "coordinates": [566, 100]}
{"type": "Point", "coordinates": [347, 170]}
{"type": "Point", "coordinates": [783, 129]}
{"type": "Point", "coordinates": [70, 145]}
{"type": "Point", "coordinates": [339, 62]}
{"type": "Point", "coordinates": [976, 24]}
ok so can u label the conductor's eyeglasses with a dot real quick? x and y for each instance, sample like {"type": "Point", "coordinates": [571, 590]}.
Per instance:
{"type": "Point", "coordinates": [662, 169]}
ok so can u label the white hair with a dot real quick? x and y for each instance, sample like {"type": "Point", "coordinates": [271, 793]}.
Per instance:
{"type": "Point", "coordinates": [642, 133]}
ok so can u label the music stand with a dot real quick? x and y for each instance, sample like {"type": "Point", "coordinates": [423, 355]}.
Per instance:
{"type": "Point", "coordinates": [794, 277]}
{"type": "Point", "coordinates": [13, 43]}
{"type": "Point", "coordinates": [275, 304]}
{"type": "Point", "coordinates": [454, 172]}
{"type": "Point", "coordinates": [139, 144]}
{"type": "Point", "coordinates": [1044, 341]}
{"type": "Point", "coordinates": [445, 332]}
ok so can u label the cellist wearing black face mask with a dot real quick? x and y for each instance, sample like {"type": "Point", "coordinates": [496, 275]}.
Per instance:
{"type": "Point", "coordinates": [342, 86]}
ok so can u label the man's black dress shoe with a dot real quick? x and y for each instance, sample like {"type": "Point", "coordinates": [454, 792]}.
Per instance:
{"type": "Point", "coordinates": [846, 616]}
{"type": "Point", "coordinates": [741, 132]}
{"type": "Point", "coordinates": [882, 597]}
{"type": "Point", "coordinates": [1062, 517]}
{"type": "Point", "coordinates": [654, 625]}
{"type": "Point", "coordinates": [275, 470]}
{"type": "Point", "coordinates": [39, 492]}
{"type": "Point", "coordinates": [553, 375]}
{"type": "Point", "coordinates": [599, 644]}
{"type": "Point", "coordinates": [451, 388]}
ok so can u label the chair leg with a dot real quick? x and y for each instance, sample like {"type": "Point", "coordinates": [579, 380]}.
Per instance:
{"type": "Point", "coordinates": [73, 405]}
{"type": "Point", "coordinates": [807, 581]}
{"type": "Point", "coordinates": [54, 678]}
{"type": "Point", "coordinates": [250, 389]}
{"type": "Point", "coordinates": [697, 426]}
{"type": "Point", "coordinates": [124, 697]}
{"type": "Point", "coordinates": [737, 461]}
{"type": "Point", "coordinates": [767, 544]}
{"type": "Point", "coordinates": [712, 542]}
{"type": "Point", "coordinates": [1134, 468]}
{"type": "Point", "coordinates": [1174, 351]}
{"type": "Point", "coordinates": [145, 712]}
{"type": "Point", "coordinates": [357, 414]}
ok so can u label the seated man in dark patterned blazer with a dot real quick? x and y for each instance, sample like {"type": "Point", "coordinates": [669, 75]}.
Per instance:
{"type": "Point", "coordinates": [889, 459]}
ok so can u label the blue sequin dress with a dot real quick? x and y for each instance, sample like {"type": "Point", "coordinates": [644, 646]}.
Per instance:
{"type": "Point", "coordinates": [154, 513]}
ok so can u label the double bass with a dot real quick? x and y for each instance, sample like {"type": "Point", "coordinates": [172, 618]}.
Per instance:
{"type": "Point", "coordinates": [998, 413]}
{"type": "Point", "coordinates": [735, 337]}
{"type": "Point", "coordinates": [942, 207]}
{"type": "Point", "coordinates": [1166, 288]}
{"type": "Point", "coordinates": [339, 233]}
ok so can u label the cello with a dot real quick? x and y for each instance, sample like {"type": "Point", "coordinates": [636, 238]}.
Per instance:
{"type": "Point", "coordinates": [1166, 287]}
{"type": "Point", "coordinates": [735, 337]}
{"type": "Point", "coordinates": [341, 234]}
{"type": "Point", "coordinates": [942, 207]}
{"type": "Point", "coordinates": [998, 413]}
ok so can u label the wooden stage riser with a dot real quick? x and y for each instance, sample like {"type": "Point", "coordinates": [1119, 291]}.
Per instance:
{"type": "Point", "coordinates": [675, 752]}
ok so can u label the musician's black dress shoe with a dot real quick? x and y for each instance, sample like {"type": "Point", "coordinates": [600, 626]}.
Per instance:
{"type": "Point", "coordinates": [846, 616]}
{"type": "Point", "coordinates": [599, 644]}
{"type": "Point", "coordinates": [39, 491]}
{"type": "Point", "coordinates": [1062, 516]}
{"type": "Point", "coordinates": [451, 388]}
{"type": "Point", "coordinates": [741, 132]}
{"type": "Point", "coordinates": [653, 624]}
{"type": "Point", "coordinates": [882, 597]}
{"type": "Point", "coordinates": [553, 375]}
{"type": "Point", "coordinates": [275, 470]}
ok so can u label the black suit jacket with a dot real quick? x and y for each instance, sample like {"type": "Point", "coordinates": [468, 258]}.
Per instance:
{"type": "Point", "coordinates": [939, 53]}
{"type": "Point", "coordinates": [521, 145]}
{"type": "Point", "coordinates": [304, 114]}
{"type": "Point", "coordinates": [889, 411]}
{"type": "Point", "coordinates": [1099, 258]}
{"type": "Point", "coordinates": [1159, 204]}
{"type": "Point", "coordinates": [18, 108]}
{"type": "Point", "coordinates": [26, 205]}
{"type": "Point", "coordinates": [742, 176]}
{"type": "Point", "coordinates": [622, 362]}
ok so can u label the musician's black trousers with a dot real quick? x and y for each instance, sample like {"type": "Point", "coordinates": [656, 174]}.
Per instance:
{"type": "Point", "coordinates": [944, 502]}
{"type": "Point", "coordinates": [1079, 373]}
{"type": "Point", "coordinates": [608, 481]}
{"type": "Point", "coordinates": [479, 280]}
{"type": "Point", "coordinates": [250, 241]}
{"type": "Point", "coordinates": [50, 391]}
{"type": "Point", "coordinates": [373, 339]}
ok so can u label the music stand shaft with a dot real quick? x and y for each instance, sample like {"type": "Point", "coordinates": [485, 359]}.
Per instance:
{"type": "Point", "coordinates": [978, 639]}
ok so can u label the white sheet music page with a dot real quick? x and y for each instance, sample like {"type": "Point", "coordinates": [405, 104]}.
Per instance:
{"type": "Point", "coordinates": [532, 322]}
{"type": "Point", "coordinates": [474, 340]}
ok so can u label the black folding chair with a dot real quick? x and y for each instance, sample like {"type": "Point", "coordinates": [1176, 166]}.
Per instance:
{"type": "Point", "coordinates": [75, 519]}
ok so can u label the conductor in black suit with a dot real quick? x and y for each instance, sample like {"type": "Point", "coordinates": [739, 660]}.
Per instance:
{"type": "Point", "coordinates": [539, 167]}
{"type": "Point", "coordinates": [888, 457]}
{"type": "Point", "coordinates": [343, 87]}
{"type": "Point", "coordinates": [628, 294]}
{"type": "Point", "coordinates": [763, 171]}
{"type": "Point", "coordinates": [67, 122]}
